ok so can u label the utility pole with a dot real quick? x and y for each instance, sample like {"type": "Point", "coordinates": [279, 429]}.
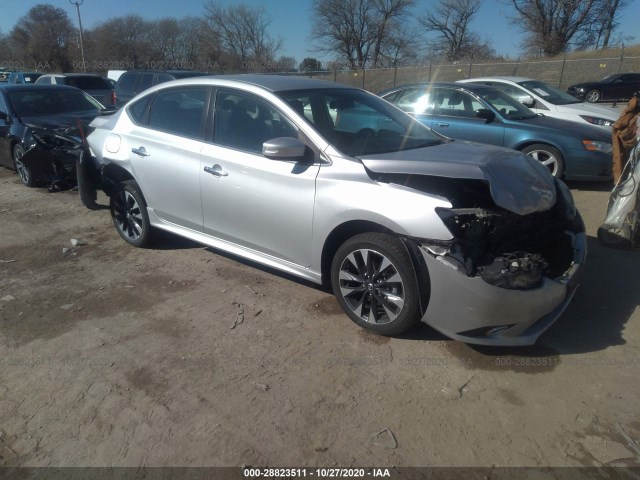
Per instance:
{"type": "Point", "coordinates": [77, 3]}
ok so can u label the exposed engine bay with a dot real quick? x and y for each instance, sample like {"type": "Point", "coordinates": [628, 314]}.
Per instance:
{"type": "Point", "coordinates": [54, 154]}
{"type": "Point", "coordinates": [505, 249]}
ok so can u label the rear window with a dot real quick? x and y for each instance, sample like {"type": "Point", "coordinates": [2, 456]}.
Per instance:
{"type": "Point", "coordinates": [89, 83]}
{"type": "Point", "coordinates": [127, 83]}
{"type": "Point", "coordinates": [30, 103]}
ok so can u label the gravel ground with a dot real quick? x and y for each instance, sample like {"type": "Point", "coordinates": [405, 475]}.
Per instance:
{"type": "Point", "coordinates": [179, 355]}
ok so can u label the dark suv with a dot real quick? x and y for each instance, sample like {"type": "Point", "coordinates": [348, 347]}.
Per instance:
{"type": "Point", "coordinates": [133, 82]}
{"type": "Point", "coordinates": [95, 85]}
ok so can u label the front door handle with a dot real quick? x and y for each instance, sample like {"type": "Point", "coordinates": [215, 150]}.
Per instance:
{"type": "Point", "coordinates": [216, 171]}
{"type": "Point", "coordinates": [140, 151]}
{"type": "Point", "coordinates": [443, 124]}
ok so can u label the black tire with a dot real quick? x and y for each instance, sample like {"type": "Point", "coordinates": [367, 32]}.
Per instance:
{"type": "Point", "coordinates": [592, 96]}
{"type": "Point", "coordinates": [549, 156]}
{"type": "Point", "coordinates": [24, 172]}
{"type": "Point", "coordinates": [129, 214]}
{"type": "Point", "coordinates": [391, 291]}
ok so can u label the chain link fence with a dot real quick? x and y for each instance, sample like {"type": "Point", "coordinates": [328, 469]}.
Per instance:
{"type": "Point", "coordinates": [560, 73]}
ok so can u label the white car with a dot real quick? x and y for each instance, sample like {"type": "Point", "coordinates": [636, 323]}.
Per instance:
{"type": "Point", "coordinates": [550, 101]}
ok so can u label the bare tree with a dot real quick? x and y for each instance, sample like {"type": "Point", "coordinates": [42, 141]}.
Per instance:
{"type": "Point", "coordinates": [551, 25]}
{"type": "Point", "coordinates": [310, 64]}
{"type": "Point", "coordinates": [400, 49]}
{"type": "Point", "coordinates": [123, 39]}
{"type": "Point", "coordinates": [175, 43]}
{"type": "Point", "coordinates": [44, 36]}
{"type": "Point", "coordinates": [357, 31]}
{"type": "Point", "coordinates": [450, 22]}
{"type": "Point", "coordinates": [600, 32]}
{"type": "Point", "coordinates": [5, 45]}
{"type": "Point", "coordinates": [243, 32]}
{"type": "Point", "coordinates": [389, 34]}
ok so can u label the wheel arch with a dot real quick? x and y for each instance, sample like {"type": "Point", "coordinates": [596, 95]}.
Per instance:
{"type": "Point", "coordinates": [113, 175]}
{"type": "Point", "coordinates": [527, 143]}
{"type": "Point", "coordinates": [337, 237]}
{"type": "Point", "coordinates": [348, 229]}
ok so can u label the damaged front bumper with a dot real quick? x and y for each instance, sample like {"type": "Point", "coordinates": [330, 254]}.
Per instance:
{"type": "Point", "coordinates": [53, 156]}
{"type": "Point", "coordinates": [469, 309]}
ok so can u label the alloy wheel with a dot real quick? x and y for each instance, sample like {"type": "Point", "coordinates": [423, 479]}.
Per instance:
{"type": "Point", "coordinates": [371, 286]}
{"type": "Point", "coordinates": [128, 215]}
{"type": "Point", "coordinates": [548, 159]}
{"type": "Point", "coordinates": [21, 168]}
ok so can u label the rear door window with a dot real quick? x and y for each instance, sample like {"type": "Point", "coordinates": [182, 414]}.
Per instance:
{"type": "Point", "coordinates": [145, 82]}
{"type": "Point", "coordinates": [127, 83]}
{"type": "Point", "coordinates": [178, 111]}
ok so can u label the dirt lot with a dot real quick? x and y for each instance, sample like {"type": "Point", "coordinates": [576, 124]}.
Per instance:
{"type": "Point", "coordinates": [180, 356]}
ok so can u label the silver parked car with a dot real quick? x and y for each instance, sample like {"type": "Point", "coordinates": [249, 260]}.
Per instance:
{"type": "Point", "coordinates": [547, 100]}
{"type": "Point", "coordinates": [479, 242]}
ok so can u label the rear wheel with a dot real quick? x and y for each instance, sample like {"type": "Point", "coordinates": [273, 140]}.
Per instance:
{"type": "Point", "coordinates": [23, 171]}
{"type": "Point", "coordinates": [548, 156]}
{"type": "Point", "coordinates": [374, 281]}
{"type": "Point", "coordinates": [592, 96]}
{"type": "Point", "coordinates": [129, 214]}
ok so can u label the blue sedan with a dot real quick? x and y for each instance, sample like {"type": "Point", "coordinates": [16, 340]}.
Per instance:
{"type": "Point", "coordinates": [480, 113]}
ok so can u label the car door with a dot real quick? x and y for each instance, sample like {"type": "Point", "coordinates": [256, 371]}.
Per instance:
{"type": "Point", "coordinates": [165, 152]}
{"type": "Point", "coordinates": [416, 102]}
{"type": "Point", "coordinates": [5, 141]}
{"type": "Point", "coordinates": [628, 85]}
{"type": "Point", "coordinates": [248, 199]}
{"type": "Point", "coordinates": [456, 115]}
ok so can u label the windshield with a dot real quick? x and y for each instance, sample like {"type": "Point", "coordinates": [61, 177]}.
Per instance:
{"type": "Point", "coordinates": [507, 106]}
{"type": "Point", "coordinates": [36, 103]}
{"type": "Point", "coordinates": [359, 123]}
{"type": "Point", "coordinates": [610, 78]}
{"type": "Point", "coordinates": [549, 93]}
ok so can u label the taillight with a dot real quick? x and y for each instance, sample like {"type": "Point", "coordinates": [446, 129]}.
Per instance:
{"type": "Point", "coordinates": [113, 97]}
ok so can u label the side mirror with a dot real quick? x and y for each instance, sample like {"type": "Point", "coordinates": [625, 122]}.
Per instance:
{"type": "Point", "coordinates": [527, 101]}
{"type": "Point", "coordinates": [486, 114]}
{"type": "Point", "coordinates": [284, 148]}
{"type": "Point", "coordinates": [5, 117]}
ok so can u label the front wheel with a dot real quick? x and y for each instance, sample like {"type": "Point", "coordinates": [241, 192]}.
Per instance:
{"type": "Point", "coordinates": [374, 281]}
{"type": "Point", "coordinates": [129, 214]}
{"type": "Point", "coordinates": [24, 172]}
{"type": "Point", "coordinates": [592, 96]}
{"type": "Point", "coordinates": [548, 156]}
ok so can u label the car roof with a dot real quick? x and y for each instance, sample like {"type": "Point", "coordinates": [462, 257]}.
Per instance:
{"type": "Point", "coordinates": [468, 86]}
{"type": "Point", "coordinates": [79, 75]}
{"type": "Point", "coordinates": [170, 72]}
{"type": "Point", "coordinates": [496, 77]}
{"type": "Point", "coordinates": [33, 87]}
{"type": "Point", "coordinates": [272, 83]}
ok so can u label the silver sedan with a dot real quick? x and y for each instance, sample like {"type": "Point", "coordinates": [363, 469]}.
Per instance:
{"type": "Point", "coordinates": [337, 186]}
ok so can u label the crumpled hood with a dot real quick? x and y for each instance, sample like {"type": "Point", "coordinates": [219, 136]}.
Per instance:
{"type": "Point", "coordinates": [517, 182]}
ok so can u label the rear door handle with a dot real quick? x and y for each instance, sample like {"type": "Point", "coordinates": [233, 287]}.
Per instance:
{"type": "Point", "coordinates": [443, 124]}
{"type": "Point", "coordinates": [216, 171]}
{"type": "Point", "coordinates": [140, 151]}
